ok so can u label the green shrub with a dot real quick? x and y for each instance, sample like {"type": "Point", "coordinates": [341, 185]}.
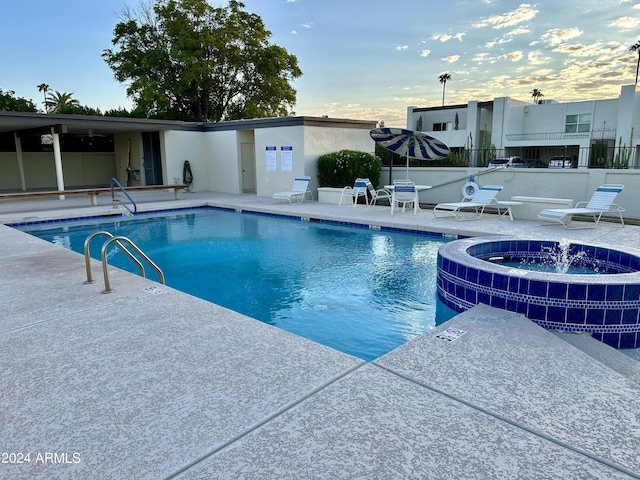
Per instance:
{"type": "Point", "coordinates": [338, 169]}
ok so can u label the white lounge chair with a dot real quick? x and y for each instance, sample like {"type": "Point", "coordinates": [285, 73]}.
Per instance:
{"type": "Point", "coordinates": [601, 202]}
{"type": "Point", "coordinates": [474, 206]}
{"type": "Point", "coordinates": [298, 191]}
{"type": "Point", "coordinates": [358, 190]}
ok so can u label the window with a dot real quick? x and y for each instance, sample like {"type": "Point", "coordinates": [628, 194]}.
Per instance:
{"type": "Point", "coordinates": [578, 123]}
{"type": "Point", "coordinates": [441, 127]}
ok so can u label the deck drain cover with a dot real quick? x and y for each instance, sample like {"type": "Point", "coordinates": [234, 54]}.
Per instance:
{"type": "Point", "coordinates": [450, 334]}
{"type": "Point", "coordinates": [154, 290]}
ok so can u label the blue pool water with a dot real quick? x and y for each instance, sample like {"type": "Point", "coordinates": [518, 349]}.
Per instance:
{"type": "Point", "coordinates": [360, 291]}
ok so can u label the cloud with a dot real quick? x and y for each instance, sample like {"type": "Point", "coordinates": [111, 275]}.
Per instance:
{"type": "Point", "coordinates": [307, 25]}
{"type": "Point", "coordinates": [598, 51]}
{"type": "Point", "coordinates": [521, 14]}
{"type": "Point", "coordinates": [402, 48]}
{"type": "Point", "coordinates": [558, 36]}
{"type": "Point", "coordinates": [483, 57]}
{"type": "Point", "coordinates": [536, 57]}
{"type": "Point", "coordinates": [445, 37]}
{"type": "Point", "coordinates": [513, 56]}
{"type": "Point", "coordinates": [626, 23]}
{"type": "Point", "coordinates": [392, 116]}
{"type": "Point", "coordinates": [507, 37]}
{"type": "Point", "coordinates": [518, 31]}
{"type": "Point", "coordinates": [497, 41]}
{"type": "Point", "coordinates": [425, 53]}
{"type": "Point", "coordinates": [451, 58]}
{"type": "Point", "coordinates": [294, 32]}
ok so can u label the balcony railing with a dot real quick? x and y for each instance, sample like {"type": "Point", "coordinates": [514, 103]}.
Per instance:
{"type": "Point", "coordinates": [528, 137]}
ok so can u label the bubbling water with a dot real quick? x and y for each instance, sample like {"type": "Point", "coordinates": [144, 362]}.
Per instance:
{"type": "Point", "coordinates": [599, 292]}
{"type": "Point", "coordinates": [557, 258]}
{"type": "Point", "coordinates": [563, 259]}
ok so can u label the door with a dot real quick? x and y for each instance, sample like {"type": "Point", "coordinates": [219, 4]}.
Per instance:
{"type": "Point", "coordinates": [248, 161]}
{"type": "Point", "coordinates": [151, 159]}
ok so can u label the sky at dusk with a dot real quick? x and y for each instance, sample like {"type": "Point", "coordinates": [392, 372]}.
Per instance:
{"type": "Point", "coordinates": [361, 59]}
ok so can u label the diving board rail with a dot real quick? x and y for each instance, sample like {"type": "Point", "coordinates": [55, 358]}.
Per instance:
{"type": "Point", "coordinates": [119, 241]}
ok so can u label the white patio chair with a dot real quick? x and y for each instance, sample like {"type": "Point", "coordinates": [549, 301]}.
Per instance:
{"type": "Point", "coordinates": [358, 190]}
{"type": "Point", "coordinates": [404, 194]}
{"type": "Point", "coordinates": [377, 194]}
{"type": "Point", "coordinates": [601, 202]}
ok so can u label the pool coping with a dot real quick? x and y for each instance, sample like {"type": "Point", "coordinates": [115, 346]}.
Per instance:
{"type": "Point", "coordinates": [337, 403]}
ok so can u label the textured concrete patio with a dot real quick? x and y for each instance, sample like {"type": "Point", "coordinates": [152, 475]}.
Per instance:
{"type": "Point", "coordinates": [149, 382]}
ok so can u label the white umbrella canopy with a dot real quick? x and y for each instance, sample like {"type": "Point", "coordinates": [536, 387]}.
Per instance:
{"type": "Point", "coordinates": [410, 144]}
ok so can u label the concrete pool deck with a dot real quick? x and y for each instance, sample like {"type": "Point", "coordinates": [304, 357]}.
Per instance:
{"type": "Point", "coordinates": [149, 382]}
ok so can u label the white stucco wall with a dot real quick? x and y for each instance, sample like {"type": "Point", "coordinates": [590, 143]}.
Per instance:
{"type": "Point", "coordinates": [222, 160]}
{"type": "Point", "coordinates": [178, 146]}
{"type": "Point", "coordinates": [215, 156]}
{"type": "Point", "coordinates": [320, 140]}
{"type": "Point", "coordinates": [576, 183]}
{"type": "Point", "coordinates": [268, 182]}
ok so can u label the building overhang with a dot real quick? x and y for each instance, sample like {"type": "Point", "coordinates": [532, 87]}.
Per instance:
{"type": "Point", "coordinates": [27, 123]}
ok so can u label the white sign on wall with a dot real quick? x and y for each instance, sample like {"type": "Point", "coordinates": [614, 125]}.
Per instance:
{"type": "Point", "coordinates": [272, 161]}
{"type": "Point", "coordinates": [286, 158]}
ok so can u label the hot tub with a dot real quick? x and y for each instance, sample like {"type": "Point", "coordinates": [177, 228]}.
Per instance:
{"type": "Point", "coordinates": [606, 304]}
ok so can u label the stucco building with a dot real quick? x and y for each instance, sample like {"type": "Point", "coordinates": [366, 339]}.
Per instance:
{"type": "Point", "coordinates": [596, 133]}
{"type": "Point", "coordinates": [261, 156]}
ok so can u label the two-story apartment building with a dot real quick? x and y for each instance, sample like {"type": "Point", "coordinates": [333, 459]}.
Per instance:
{"type": "Point", "coordinates": [595, 133]}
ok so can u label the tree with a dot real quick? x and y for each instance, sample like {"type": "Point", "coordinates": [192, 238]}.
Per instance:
{"type": "Point", "coordinates": [443, 80]}
{"type": "Point", "coordinates": [44, 88]}
{"type": "Point", "coordinates": [636, 48]}
{"type": "Point", "coordinates": [10, 103]}
{"type": "Point", "coordinates": [60, 102]}
{"type": "Point", "coordinates": [188, 60]}
{"type": "Point", "coordinates": [77, 109]}
{"type": "Point", "coordinates": [123, 112]}
{"type": "Point", "coordinates": [536, 95]}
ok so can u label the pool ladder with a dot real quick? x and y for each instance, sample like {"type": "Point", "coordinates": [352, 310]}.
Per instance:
{"type": "Point", "coordinates": [118, 241]}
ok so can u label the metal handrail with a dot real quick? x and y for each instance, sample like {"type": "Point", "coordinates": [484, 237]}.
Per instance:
{"type": "Point", "coordinates": [466, 177]}
{"type": "Point", "coordinates": [87, 255]}
{"type": "Point", "coordinates": [116, 182]}
{"type": "Point", "coordinates": [117, 240]}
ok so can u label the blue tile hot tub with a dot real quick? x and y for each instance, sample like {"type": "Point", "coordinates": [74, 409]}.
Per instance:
{"type": "Point", "coordinates": [604, 302]}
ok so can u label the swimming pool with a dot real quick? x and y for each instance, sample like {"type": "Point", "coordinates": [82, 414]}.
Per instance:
{"type": "Point", "coordinates": [358, 290]}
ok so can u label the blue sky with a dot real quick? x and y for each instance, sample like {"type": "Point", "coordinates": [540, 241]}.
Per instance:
{"type": "Point", "coordinates": [361, 59]}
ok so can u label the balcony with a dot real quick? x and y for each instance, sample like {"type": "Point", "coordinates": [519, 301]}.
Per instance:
{"type": "Point", "coordinates": [530, 137]}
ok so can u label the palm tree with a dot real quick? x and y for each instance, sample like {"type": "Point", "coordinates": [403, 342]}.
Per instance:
{"type": "Point", "coordinates": [443, 80]}
{"type": "Point", "coordinates": [536, 95]}
{"type": "Point", "coordinates": [636, 48]}
{"type": "Point", "coordinates": [44, 88]}
{"type": "Point", "coordinates": [57, 101]}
